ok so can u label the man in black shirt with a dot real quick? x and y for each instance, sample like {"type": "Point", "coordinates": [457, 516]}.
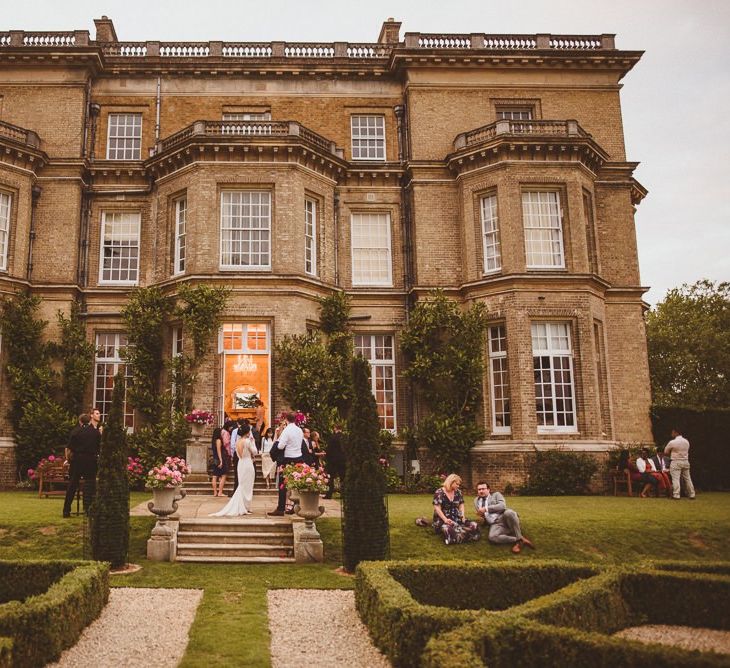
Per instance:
{"type": "Point", "coordinates": [83, 449]}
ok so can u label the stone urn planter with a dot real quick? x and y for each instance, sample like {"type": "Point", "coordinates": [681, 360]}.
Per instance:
{"type": "Point", "coordinates": [197, 429]}
{"type": "Point", "coordinates": [309, 509]}
{"type": "Point", "coordinates": [164, 503]}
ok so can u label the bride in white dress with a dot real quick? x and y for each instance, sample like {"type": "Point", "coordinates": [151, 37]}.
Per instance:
{"type": "Point", "coordinates": [240, 503]}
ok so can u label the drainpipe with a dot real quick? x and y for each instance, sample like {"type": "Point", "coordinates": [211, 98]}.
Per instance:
{"type": "Point", "coordinates": [82, 274]}
{"type": "Point", "coordinates": [157, 112]}
{"type": "Point", "coordinates": [94, 111]}
{"type": "Point", "coordinates": [84, 144]}
{"type": "Point", "coordinates": [35, 195]}
{"type": "Point", "coordinates": [336, 216]}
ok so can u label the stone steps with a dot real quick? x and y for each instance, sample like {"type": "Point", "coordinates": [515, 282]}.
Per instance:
{"type": "Point", "coordinates": [235, 540]}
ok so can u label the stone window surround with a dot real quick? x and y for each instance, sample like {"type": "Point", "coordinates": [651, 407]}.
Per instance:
{"type": "Point", "coordinates": [104, 211]}
{"type": "Point", "coordinates": [562, 199]}
{"type": "Point", "coordinates": [479, 199]}
{"type": "Point", "coordinates": [383, 363]}
{"type": "Point", "coordinates": [125, 112]}
{"type": "Point", "coordinates": [360, 211]}
{"type": "Point", "coordinates": [250, 188]}
{"type": "Point", "coordinates": [492, 356]}
{"type": "Point", "coordinates": [316, 210]}
{"type": "Point", "coordinates": [516, 103]}
{"type": "Point", "coordinates": [376, 113]}
{"type": "Point", "coordinates": [179, 256]}
{"type": "Point", "coordinates": [5, 229]}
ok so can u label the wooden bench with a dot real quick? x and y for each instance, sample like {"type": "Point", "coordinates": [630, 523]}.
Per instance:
{"type": "Point", "coordinates": [53, 479]}
{"type": "Point", "coordinates": [622, 479]}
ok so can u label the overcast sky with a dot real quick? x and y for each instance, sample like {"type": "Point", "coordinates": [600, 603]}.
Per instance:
{"type": "Point", "coordinates": [675, 101]}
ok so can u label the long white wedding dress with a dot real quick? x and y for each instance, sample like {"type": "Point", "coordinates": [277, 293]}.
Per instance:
{"type": "Point", "coordinates": [240, 502]}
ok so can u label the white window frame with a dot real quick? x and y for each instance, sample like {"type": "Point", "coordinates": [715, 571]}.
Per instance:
{"type": "Point", "coordinates": [365, 248]}
{"type": "Point", "coordinates": [228, 207]}
{"type": "Point", "coordinates": [515, 113]}
{"type": "Point", "coordinates": [118, 136]}
{"type": "Point", "coordinates": [246, 116]}
{"type": "Point", "coordinates": [132, 219]}
{"type": "Point", "coordinates": [234, 329]}
{"type": "Point", "coordinates": [546, 343]}
{"type": "Point", "coordinates": [181, 221]}
{"type": "Point", "coordinates": [538, 207]}
{"type": "Point", "coordinates": [235, 117]}
{"type": "Point", "coordinates": [310, 236]}
{"type": "Point", "coordinates": [498, 364]}
{"type": "Point", "coordinates": [367, 132]}
{"type": "Point", "coordinates": [178, 341]}
{"type": "Point", "coordinates": [6, 205]}
{"type": "Point", "coordinates": [379, 369]}
{"type": "Point", "coordinates": [117, 341]}
{"type": "Point", "coordinates": [491, 246]}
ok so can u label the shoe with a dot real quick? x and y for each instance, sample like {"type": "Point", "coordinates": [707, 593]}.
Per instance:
{"type": "Point", "coordinates": [420, 522]}
{"type": "Point", "coordinates": [516, 549]}
{"type": "Point", "coordinates": [276, 513]}
{"type": "Point", "coordinates": [289, 512]}
{"type": "Point", "coordinates": [528, 543]}
{"type": "Point", "coordinates": [692, 498]}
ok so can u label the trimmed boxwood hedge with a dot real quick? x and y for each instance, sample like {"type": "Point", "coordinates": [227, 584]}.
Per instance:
{"type": "Point", "coordinates": [6, 653]}
{"type": "Point", "coordinates": [42, 625]}
{"type": "Point", "coordinates": [400, 624]}
{"type": "Point", "coordinates": [569, 628]}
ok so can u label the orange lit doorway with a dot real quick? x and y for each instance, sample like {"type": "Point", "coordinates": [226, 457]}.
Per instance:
{"type": "Point", "coordinates": [245, 370]}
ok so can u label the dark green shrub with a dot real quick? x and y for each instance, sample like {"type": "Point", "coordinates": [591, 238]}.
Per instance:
{"type": "Point", "coordinates": [109, 516]}
{"type": "Point", "coordinates": [42, 626]}
{"type": "Point", "coordinates": [77, 358]}
{"type": "Point", "coordinates": [20, 579]}
{"type": "Point", "coordinates": [364, 515]}
{"type": "Point", "coordinates": [6, 653]}
{"type": "Point", "coordinates": [560, 473]}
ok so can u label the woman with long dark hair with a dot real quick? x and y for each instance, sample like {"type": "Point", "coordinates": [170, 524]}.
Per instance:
{"type": "Point", "coordinates": [221, 462]}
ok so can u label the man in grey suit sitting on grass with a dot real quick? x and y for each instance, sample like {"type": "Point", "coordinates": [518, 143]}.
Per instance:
{"type": "Point", "coordinates": [503, 523]}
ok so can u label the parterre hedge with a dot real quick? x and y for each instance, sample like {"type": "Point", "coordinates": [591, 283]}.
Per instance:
{"type": "Point", "coordinates": [404, 603]}
{"type": "Point", "coordinates": [42, 625]}
{"type": "Point", "coordinates": [571, 627]}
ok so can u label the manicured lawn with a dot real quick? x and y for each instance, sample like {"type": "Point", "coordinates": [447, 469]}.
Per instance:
{"type": "Point", "coordinates": [231, 626]}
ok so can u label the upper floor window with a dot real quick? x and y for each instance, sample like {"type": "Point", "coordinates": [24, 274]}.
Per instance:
{"type": "Point", "coordinates": [499, 380]}
{"type": "Point", "coordinates": [514, 113]}
{"type": "Point", "coordinates": [181, 213]}
{"type": "Point", "coordinates": [5, 202]}
{"type": "Point", "coordinates": [368, 137]}
{"type": "Point", "coordinates": [310, 236]}
{"type": "Point", "coordinates": [245, 230]}
{"type": "Point", "coordinates": [251, 338]}
{"type": "Point", "coordinates": [177, 341]}
{"type": "Point", "coordinates": [244, 123]}
{"type": "Point", "coordinates": [379, 351]}
{"type": "Point", "coordinates": [490, 234]}
{"type": "Point", "coordinates": [125, 137]}
{"type": "Point", "coordinates": [543, 223]}
{"type": "Point", "coordinates": [552, 358]}
{"type": "Point", "coordinates": [119, 261]}
{"type": "Point", "coordinates": [371, 251]}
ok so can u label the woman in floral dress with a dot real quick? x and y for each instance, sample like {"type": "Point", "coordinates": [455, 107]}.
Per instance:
{"type": "Point", "coordinates": [449, 520]}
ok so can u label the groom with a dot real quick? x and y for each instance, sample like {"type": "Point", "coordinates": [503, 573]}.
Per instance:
{"type": "Point", "coordinates": [290, 441]}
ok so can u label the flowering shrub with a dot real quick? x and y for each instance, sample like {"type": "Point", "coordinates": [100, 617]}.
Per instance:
{"type": "Point", "coordinates": [170, 474]}
{"type": "Point", "coordinates": [305, 478]}
{"type": "Point", "coordinates": [43, 464]}
{"type": "Point", "coordinates": [300, 419]}
{"type": "Point", "coordinates": [200, 417]}
{"type": "Point", "coordinates": [135, 471]}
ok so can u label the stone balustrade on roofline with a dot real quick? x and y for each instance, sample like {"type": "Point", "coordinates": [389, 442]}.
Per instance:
{"type": "Point", "coordinates": [319, 51]}
{"type": "Point", "coordinates": [19, 135]}
{"type": "Point", "coordinates": [531, 128]}
{"type": "Point", "coordinates": [248, 130]}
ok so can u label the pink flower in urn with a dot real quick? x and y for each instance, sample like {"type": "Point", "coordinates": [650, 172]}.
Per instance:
{"type": "Point", "coordinates": [51, 458]}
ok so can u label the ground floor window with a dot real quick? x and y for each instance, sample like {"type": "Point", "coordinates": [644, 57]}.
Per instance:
{"type": "Point", "coordinates": [499, 380]}
{"type": "Point", "coordinates": [108, 362]}
{"type": "Point", "coordinates": [552, 358]}
{"type": "Point", "coordinates": [244, 370]}
{"type": "Point", "coordinates": [378, 350]}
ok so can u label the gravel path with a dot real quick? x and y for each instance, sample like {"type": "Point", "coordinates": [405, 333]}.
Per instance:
{"type": "Point", "coordinates": [686, 637]}
{"type": "Point", "coordinates": [138, 628]}
{"type": "Point", "coordinates": [338, 637]}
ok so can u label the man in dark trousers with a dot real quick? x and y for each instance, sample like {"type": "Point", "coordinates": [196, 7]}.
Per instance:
{"type": "Point", "coordinates": [335, 460]}
{"type": "Point", "coordinates": [83, 452]}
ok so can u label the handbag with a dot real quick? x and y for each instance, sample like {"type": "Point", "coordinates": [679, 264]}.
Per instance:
{"type": "Point", "coordinates": [277, 453]}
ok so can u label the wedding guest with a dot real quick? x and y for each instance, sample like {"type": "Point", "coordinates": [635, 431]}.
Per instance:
{"type": "Point", "coordinates": [678, 450]}
{"type": "Point", "coordinates": [290, 440]}
{"type": "Point", "coordinates": [504, 523]}
{"type": "Point", "coordinates": [83, 451]}
{"type": "Point", "coordinates": [221, 462]}
{"type": "Point", "coordinates": [317, 450]}
{"type": "Point", "coordinates": [627, 462]}
{"type": "Point", "coordinates": [335, 460]}
{"type": "Point", "coordinates": [268, 465]}
{"type": "Point", "coordinates": [307, 450]}
{"type": "Point", "coordinates": [645, 464]}
{"type": "Point", "coordinates": [259, 421]}
{"type": "Point", "coordinates": [449, 519]}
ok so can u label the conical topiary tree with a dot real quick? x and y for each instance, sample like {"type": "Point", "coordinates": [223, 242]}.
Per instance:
{"type": "Point", "coordinates": [109, 516]}
{"type": "Point", "coordinates": [364, 517]}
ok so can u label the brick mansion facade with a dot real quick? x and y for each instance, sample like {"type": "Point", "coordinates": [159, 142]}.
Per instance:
{"type": "Point", "coordinates": [490, 166]}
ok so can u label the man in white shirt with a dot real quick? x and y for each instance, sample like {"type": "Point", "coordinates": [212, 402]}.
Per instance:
{"type": "Point", "coordinates": [678, 450]}
{"type": "Point", "coordinates": [290, 440]}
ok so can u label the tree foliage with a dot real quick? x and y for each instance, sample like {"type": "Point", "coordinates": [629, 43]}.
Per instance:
{"type": "Point", "coordinates": [200, 310]}
{"type": "Point", "coordinates": [145, 316]}
{"type": "Point", "coordinates": [109, 515]}
{"type": "Point", "coordinates": [76, 354]}
{"type": "Point", "coordinates": [364, 514]}
{"type": "Point", "coordinates": [316, 369]}
{"type": "Point", "coordinates": [443, 346]}
{"type": "Point", "coordinates": [688, 336]}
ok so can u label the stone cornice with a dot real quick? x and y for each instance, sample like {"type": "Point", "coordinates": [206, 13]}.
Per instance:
{"type": "Point", "coordinates": [21, 148]}
{"type": "Point", "coordinates": [621, 174]}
